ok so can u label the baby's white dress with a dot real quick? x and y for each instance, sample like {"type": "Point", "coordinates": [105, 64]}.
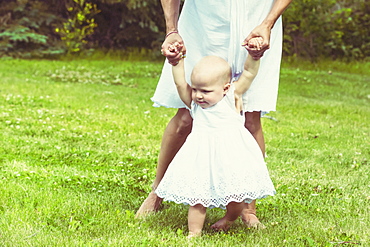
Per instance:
{"type": "Point", "coordinates": [219, 163]}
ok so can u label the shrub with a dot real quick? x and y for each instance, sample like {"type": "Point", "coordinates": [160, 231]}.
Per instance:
{"type": "Point", "coordinates": [79, 26]}
{"type": "Point", "coordinates": [327, 28]}
{"type": "Point", "coordinates": [25, 29]}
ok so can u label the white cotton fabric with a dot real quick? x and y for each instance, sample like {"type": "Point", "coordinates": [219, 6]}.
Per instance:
{"type": "Point", "coordinates": [219, 28]}
{"type": "Point", "coordinates": [219, 163]}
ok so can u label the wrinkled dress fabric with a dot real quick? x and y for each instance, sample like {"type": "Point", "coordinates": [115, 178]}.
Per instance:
{"type": "Point", "coordinates": [219, 163]}
{"type": "Point", "coordinates": [219, 28]}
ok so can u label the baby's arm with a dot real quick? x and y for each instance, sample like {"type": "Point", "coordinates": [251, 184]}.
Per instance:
{"type": "Point", "coordinates": [249, 73]}
{"type": "Point", "coordinates": [245, 80]}
{"type": "Point", "coordinates": [182, 86]}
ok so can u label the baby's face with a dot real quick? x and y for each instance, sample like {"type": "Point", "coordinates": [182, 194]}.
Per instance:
{"type": "Point", "coordinates": [207, 94]}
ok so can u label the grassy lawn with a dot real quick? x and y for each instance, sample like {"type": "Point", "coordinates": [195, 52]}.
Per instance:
{"type": "Point", "coordinates": [80, 140]}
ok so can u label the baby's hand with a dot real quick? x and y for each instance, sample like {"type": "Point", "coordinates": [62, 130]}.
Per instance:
{"type": "Point", "coordinates": [254, 47]}
{"type": "Point", "coordinates": [176, 47]}
{"type": "Point", "coordinates": [255, 43]}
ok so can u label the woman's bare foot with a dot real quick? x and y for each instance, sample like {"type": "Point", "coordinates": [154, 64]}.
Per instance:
{"type": "Point", "coordinates": [222, 225]}
{"type": "Point", "coordinates": [249, 217]}
{"type": "Point", "coordinates": [194, 235]}
{"type": "Point", "coordinates": [251, 221]}
{"type": "Point", "coordinates": [150, 205]}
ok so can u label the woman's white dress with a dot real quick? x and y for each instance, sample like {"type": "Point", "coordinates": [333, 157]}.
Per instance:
{"type": "Point", "coordinates": [219, 28]}
{"type": "Point", "coordinates": [219, 163]}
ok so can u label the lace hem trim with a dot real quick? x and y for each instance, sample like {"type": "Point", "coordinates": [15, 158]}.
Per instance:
{"type": "Point", "coordinates": [213, 203]}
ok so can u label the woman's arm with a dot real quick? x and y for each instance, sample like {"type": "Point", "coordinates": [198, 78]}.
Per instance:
{"type": "Point", "coordinates": [264, 29]}
{"type": "Point", "coordinates": [171, 9]}
{"type": "Point", "coordinates": [183, 88]}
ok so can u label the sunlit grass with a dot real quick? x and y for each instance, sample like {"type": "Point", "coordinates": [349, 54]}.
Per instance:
{"type": "Point", "coordinates": [79, 146]}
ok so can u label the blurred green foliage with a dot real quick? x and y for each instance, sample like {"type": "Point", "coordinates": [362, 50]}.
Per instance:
{"type": "Point", "coordinates": [327, 28]}
{"type": "Point", "coordinates": [313, 29]}
{"type": "Point", "coordinates": [79, 25]}
{"type": "Point", "coordinates": [25, 29]}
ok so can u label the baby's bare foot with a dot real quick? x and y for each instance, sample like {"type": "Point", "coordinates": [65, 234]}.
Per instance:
{"type": "Point", "coordinates": [151, 204]}
{"type": "Point", "coordinates": [222, 225]}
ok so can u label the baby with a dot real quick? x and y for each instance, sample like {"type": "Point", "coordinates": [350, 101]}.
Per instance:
{"type": "Point", "coordinates": [220, 163]}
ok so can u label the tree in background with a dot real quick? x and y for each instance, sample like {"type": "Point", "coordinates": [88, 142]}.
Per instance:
{"type": "Point", "coordinates": [327, 28]}
{"type": "Point", "coordinates": [25, 29]}
{"type": "Point", "coordinates": [129, 23]}
{"type": "Point", "coordinates": [80, 24]}
{"type": "Point", "coordinates": [29, 28]}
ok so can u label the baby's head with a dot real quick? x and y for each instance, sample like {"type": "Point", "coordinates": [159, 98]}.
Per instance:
{"type": "Point", "coordinates": [210, 80]}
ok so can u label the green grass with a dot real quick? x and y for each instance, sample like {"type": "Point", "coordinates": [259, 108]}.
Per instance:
{"type": "Point", "coordinates": [80, 140]}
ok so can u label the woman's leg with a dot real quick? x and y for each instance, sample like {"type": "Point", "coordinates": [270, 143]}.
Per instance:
{"type": "Point", "coordinates": [253, 124]}
{"type": "Point", "coordinates": [173, 138]}
{"type": "Point", "coordinates": [196, 217]}
{"type": "Point", "coordinates": [234, 209]}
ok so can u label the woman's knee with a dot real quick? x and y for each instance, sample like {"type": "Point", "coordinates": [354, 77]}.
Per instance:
{"type": "Point", "coordinates": [253, 121]}
{"type": "Point", "coordinates": [184, 122]}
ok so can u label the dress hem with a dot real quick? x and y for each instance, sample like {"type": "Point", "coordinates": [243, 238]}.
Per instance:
{"type": "Point", "coordinates": [220, 205]}
{"type": "Point", "coordinates": [158, 104]}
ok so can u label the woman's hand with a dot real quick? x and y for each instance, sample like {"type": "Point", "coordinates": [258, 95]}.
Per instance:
{"type": "Point", "coordinates": [173, 48]}
{"type": "Point", "coordinates": [263, 32]}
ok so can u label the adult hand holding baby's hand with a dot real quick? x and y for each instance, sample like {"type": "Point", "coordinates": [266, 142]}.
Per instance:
{"type": "Point", "coordinates": [262, 31]}
{"type": "Point", "coordinates": [173, 48]}
{"type": "Point", "coordinates": [255, 47]}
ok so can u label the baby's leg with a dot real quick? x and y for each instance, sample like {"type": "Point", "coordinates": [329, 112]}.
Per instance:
{"type": "Point", "coordinates": [233, 210]}
{"type": "Point", "coordinates": [196, 217]}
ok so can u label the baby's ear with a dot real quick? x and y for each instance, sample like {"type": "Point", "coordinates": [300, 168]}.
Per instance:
{"type": "Point", "coordinates": [226, 87]}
